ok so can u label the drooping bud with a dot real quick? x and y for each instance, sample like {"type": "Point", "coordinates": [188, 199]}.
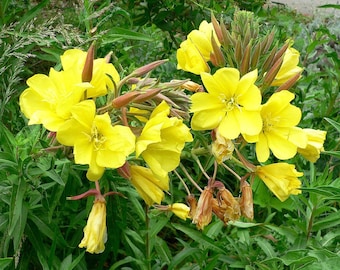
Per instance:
{"type": "Point", "coordinates": [203, 213]}
{"type": "Point", "coordinates": [229, 205]}
{"type": "Point", "coordinates": [246, 202]}
{"type": "Point", "coordinates": [86, 76]}
{"type": "Point", "coordinates": [191, 200]}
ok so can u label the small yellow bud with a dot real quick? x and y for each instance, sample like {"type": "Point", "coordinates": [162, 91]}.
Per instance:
{"type": "Point", "coordinates": [180, 209]}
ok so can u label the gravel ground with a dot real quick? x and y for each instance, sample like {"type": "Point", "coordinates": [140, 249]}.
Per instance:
{"type": "Point", "coordinates": [310, 7]}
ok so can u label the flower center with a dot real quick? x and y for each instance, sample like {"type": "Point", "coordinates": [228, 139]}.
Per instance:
{"type": "Point", "coordinates": [97, 138]}
{"type": "Point", "coordinates": [230, 103]}
{"type": "Point", "coordinates": [269, 123]}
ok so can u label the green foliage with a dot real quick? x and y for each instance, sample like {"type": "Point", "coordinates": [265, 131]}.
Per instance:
{"type": "Point", "coordinates": [40, 229]}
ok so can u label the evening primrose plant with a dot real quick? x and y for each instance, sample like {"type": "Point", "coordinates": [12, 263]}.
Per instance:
{"type": "Point", "coordinates": [238, 114]}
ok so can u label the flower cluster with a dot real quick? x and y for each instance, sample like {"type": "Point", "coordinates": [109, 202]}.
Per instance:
{"type": "Point", "coordinates": [86, 109]}
{"type": "Point", "coordinates": [136, 124]}
{"type": "Point", "coordinates": [246, 101]}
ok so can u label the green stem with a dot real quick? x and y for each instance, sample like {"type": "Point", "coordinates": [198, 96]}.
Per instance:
{"type": "Point", "coordinates": [147, 239]}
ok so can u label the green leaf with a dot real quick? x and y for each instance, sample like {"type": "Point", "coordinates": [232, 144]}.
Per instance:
{"type": "Point", "coordinates": [181, 256]}
{"type": "Point", "coordinates": [162, 250]}
{"type": "Point", "coordinates": [29, 15]}
{"type": "Point", "coordinates": [66, 263]}
{"type": "Point", "coordinates": [75, 262]}
{"type": "Point", "coordinates": [332, 220]}
{"type": "Point", "coordinates": [330, 6]}
{"type": "Point", "coordinates": [266, 247]}
{"type": "Point", "coordinates": [126, 260]}
{"type": "Point", "coordinates": [333, 123]}
{"type": "Point", "coordinates": [332, 153]}
{"type": "Point", "coordinates": [200, 238]}
{"type": "Point", "coordinates": [4, 262]}
{"type": "Point", "coordinates": [117, 33]}
{"type": "Point", "coordinates": [241, 224]}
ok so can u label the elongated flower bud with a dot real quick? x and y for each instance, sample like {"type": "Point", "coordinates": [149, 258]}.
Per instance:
{"type": "Point", "coordinates": [125, 99]}
{"type": "Point", "coordinates": [147, 68]}
{"type": "Point", "coordinates": [86, 76]}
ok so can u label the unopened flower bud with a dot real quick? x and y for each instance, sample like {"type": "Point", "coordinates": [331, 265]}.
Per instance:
{"type": "Point", "coordinates": [86, 76]}
{"type": "Point", "coordinates": [192, 86]}
{"type": "Point", "coordinates": [217, 28]}
{"type": "Point", "coordinates": [125, 99]}
{"type": "Point", "coordinates": [150, 93]}
{"type": "Point", "coordinates": [147, 68]}
{"type": "Point", "coordinates": [180, 209]}
{"type": "Point", "coordinates": [270, 76]}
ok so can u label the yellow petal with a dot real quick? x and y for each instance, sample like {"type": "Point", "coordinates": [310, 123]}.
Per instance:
{"type": "Point", "coordinates": [230, 126]}
{"type": "Point", "coordinates": [262, 148]}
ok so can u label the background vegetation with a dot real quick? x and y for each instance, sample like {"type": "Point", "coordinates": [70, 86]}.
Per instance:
{"type": "Point", "coordinates": [39, 229]}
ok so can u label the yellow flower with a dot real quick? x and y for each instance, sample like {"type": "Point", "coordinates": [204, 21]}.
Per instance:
{"type": "Point", "coordinates": [194, 53]}
{"type": "Point", "coordinates": [281, 179]}
{"type": "Point", "coordinates": [149, 186]}
{"type": "Point", "coordinates": [232, 104]}
{"type": "Point", "coordinates": [314, 146]}
{"type": "Point", "coordinates": [96, 142]}
{"type": "Point", "coordinates": [222, 148]}
{"type": "Point", "coordinates": [95, 234]}
{"type": "Point", "coordinates": [74, 60]}
{"type": "Point", "coordinates": [202, 39]}
{"type": "Point", "coordinates": [279, 133]}
{"type": "Point", "coordinates": [190, 58]}
{"type": "Point", "coordinates": [162, 140]}
{"type": "Point", "coordinates": [180, 209]}
{"type": "Point", "coordinates": [49, 99]}
{"type": "Point", "coordinates": [289, 67]}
